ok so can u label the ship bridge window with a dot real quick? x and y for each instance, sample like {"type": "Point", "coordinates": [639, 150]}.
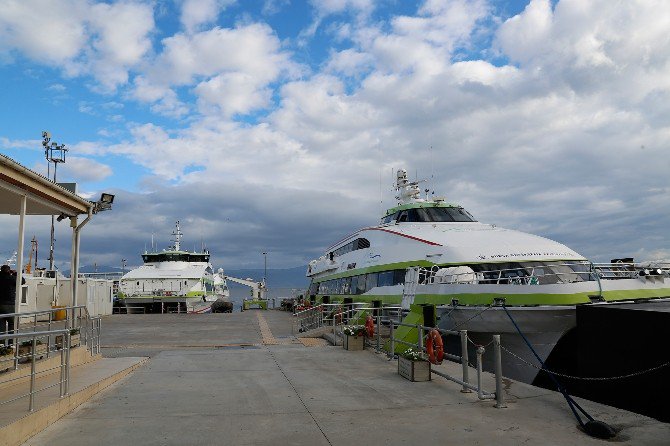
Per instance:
{"type": "Point", "coordinates": [433, 215]}
{"type": "Point", "coordinates": [389, 218]}
{"type": "Point", "coordinates": [359, 243]}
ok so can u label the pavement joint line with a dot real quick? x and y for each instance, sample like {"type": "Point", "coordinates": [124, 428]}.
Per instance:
{"type": "Point", "coordinates": [299, 397]}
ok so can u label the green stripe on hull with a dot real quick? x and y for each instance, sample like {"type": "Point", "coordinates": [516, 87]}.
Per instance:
{"type": "Point", "coordinates": [512, 299]}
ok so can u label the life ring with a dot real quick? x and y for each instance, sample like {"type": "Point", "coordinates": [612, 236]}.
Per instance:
{"type": "Point", "coordinates": [434, 347]}
{"type": "Point", "coordinates": [370, 326]}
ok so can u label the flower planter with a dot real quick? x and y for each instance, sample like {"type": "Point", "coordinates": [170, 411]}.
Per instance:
{"type": "Point", "coordinates": [26, 351]}
{"type": "Point", "coordinates": [353, 342]}
{"type": "Point", "coordinates": [414, 370]}
{"type": "Point", "coordinates": [6, 361]}
{"type": "Point", "coordinates": [75, 340]}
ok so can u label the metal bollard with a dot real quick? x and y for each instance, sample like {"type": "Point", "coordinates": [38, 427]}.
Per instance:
{"type": "Point", "coordinates": [480, 392]}
{"type": "Point", "coordinates": [500, 401]}
{"type": "Point", "coordinates": [465, 361]}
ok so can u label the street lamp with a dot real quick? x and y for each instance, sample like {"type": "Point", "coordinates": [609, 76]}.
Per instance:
{"type": "Point", "coordinates": [54, 153]}
{"type": "Point", "coordinates": [265, 266]}
{"type": "Point", "coordinates": [123, 267]}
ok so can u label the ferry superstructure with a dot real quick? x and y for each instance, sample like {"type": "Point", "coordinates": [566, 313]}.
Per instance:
{"type": "Point", "coordinates": [428, 251]}
{"type": "Point", "coordinates": [173, 280]}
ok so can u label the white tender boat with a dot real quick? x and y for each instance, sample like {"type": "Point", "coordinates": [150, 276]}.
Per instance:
{"type": "Point", "coordinates": [428, 251]}
{"type": "Point", "coordinates": [173, 280]}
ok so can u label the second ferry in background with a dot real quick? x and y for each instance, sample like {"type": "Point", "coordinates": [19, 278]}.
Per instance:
{"type": "Point", "coordinates": [172, 281]}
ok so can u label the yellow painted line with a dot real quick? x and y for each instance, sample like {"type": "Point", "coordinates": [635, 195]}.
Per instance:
{"type": "Point", "coordinates": [266, 333]}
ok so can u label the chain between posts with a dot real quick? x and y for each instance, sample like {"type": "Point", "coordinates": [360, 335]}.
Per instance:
{"type": "Point", "coordinates": [584, 378]}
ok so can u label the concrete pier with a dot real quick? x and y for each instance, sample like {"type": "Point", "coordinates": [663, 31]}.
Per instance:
{"type": "Point", "coordinates": [243, 379]}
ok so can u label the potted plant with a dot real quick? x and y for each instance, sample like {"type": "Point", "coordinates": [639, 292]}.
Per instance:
{"type": "Point", "coordinates": [6, 357]}
{"type": "Point", "coordinates": [354, 337]}
{"type": "Point", "coordinates": [75, 339]}
{"type": "Point", "coordinates": [413, 366]}
{"type": "Point", "coordinates": [26, 349]}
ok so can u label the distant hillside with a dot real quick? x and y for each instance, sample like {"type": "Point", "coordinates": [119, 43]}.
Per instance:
{"type": "Point", "coordinates": [277, 278]}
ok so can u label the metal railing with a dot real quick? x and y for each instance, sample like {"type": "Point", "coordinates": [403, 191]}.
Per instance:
{"type": "Point", "coordinates": [338, 314]}
{"type": "Point", "coordinates": [546, 273]}
{"type": "Point", "coordinates": [34, 341]}
{"type": "Point", "coordinates": [77, 320]}
{"type": "Point", "coordinates": [464, 381]}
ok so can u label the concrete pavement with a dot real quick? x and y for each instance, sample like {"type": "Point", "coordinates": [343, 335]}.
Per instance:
{"type": "Point", "coordinates": [219, 379]}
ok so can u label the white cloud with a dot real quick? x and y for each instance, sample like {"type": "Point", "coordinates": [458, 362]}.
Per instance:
{"type": "Point", "coordinates": [226, 78]}
{"type": "Point", "coordinates": [80, 169]}
{"type": "Point", "coordinates": [196, 13]}
{"type": "Point", "coordinates": [79, 36]}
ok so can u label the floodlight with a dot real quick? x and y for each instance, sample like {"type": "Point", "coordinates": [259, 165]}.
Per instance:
{"type": "Point", "coordinates": [106, 198]}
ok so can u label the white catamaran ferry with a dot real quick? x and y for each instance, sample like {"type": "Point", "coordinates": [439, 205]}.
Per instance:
{"type": "Point", "coordinates": [428, 251]}
{"type": "Point", "coordinates": [173, 280]}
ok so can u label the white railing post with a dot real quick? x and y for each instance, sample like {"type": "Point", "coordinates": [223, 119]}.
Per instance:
{"type": "Point", "coordinates": [465, 361]}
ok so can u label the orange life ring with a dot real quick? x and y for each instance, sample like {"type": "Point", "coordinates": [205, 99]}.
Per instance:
{"type": "Point", "coordinates": [370, 326]}
{"type": "Point", "coordinates": [434, 347]}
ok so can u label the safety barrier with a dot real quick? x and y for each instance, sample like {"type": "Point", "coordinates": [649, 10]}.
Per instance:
{"type": "Point", "coordinates": [33, 345]}
{"type": "Point", "coordinates": [77, 322]}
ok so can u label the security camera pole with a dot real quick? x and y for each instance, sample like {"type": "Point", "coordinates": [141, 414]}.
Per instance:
{"type": "Point", "coordinates": [54, 153]}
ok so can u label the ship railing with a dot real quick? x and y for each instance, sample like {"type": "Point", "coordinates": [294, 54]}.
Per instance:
{"type": "Point", "coordinates": [308, 319]}
{"type": "Point", "coordinates": [629, 270]}
{"type": "Point", "coordinates": [547, 274]}
{"type": "Point", "coordinates": [76, 320]}
{"type": "Point", "coordinates": [523, 275]}
{"type": "Point", "coordinates": [463, 359]}
{"type": "Point", "coordinates": [31, 346]}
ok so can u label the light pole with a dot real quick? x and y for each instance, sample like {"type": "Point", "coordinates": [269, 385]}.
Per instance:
{"type": "Point", "coordinates": [265, 266]}
{"type": "Point", "coordinates": [54, 153]}
{"type": "Point", "coordinates": [123, 267]}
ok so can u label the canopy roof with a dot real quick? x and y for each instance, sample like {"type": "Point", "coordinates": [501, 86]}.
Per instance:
{"type": "Point", "coordinates": [44, 197]}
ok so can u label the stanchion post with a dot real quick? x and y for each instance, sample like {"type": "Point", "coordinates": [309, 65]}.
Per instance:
{"type": "Point", "coordinates": [419, 328]}
{"type": "Point", "coordinates": [379, 332]}
{"type": "Point", "coordinates": [32, 376]}
{"type": "Point", "coordinates": [480, 392]}
{"type": "Point", "coordinates": [392, 341]}
{"type": "Point", "coordinates": [465, 361]}
{"type": "Point", "coordinates": [500, 401]}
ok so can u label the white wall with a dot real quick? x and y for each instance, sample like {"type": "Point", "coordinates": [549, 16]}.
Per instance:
{"type": "Point", "coordinates": [41, 292]}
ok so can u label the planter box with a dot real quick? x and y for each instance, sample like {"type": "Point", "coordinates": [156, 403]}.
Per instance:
{"type": "Point", "coordinates": [26, 351]}
{"type": "Point", "coordinates": [414, 370]}
{"type": "Point", "coordinates": [75, 340]}
{"type": "Point", "coordinates": [353, 342]}
{"type": "Point", "coordinates": [6, 362]}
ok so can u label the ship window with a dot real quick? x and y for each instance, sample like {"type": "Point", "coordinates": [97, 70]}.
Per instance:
{"type": "Point", "coordinates": [389, 218]}
{"type": "Point", "coordinates": [185, 282]}
{"type": "Point", "coordinates": [370, 281]}
{"type": "Point", "coordinates": [360, 284]}
{"type": "Point", "coordinates": [385, 278]}
{"type": "Point", "coordinates": [398, 276]}
{"type": "Point", "coordinates": [402, 216]}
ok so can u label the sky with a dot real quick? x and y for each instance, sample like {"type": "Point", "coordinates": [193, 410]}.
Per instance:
{"type": "Point", "coordinates": [275, 125]}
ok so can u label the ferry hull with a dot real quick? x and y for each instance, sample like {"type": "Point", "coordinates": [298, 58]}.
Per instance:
{"type": "Point", "coordinates": [197, 305]}
{"type": "Point", "coordinates": [542, 326]}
